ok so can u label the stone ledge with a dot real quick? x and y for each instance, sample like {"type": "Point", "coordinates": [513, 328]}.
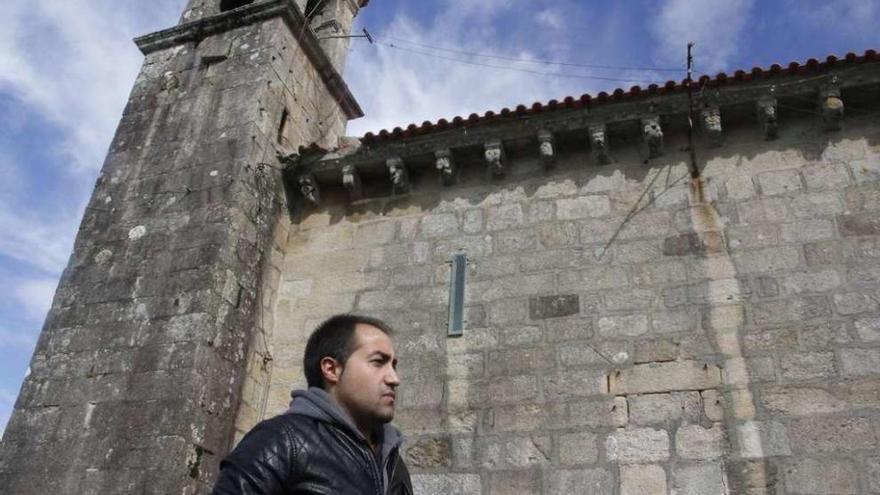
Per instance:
{"type": "Point", "coordinates": [249, 14]}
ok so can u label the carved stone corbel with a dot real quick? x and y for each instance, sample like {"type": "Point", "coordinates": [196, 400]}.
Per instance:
{"type": "Point", "coordinates": [546, 145]}
{"type": "Point", "coordinates": [599, 143]}
{"type": "Point", "coordinates": [399, 175]}
{"type": "Point", "coordinates": [445, 165]}
{"type": "Point", "coordinates": [711, 121]}
{"type": "Point", "coordinates": [652, 134]}
{"type": "Point", "coordinates": [831, 105]}
{"type": "Point", "coordinates": [308, 186]}
{"type": "Point", "coordinates": [767, 117]}
{"type": "Point", "coordinates": [351, 179]}
{"type": "Point", "coordinates": [495, 157]}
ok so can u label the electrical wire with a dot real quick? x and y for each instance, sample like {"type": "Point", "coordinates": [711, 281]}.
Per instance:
{"type": "Point", "coordinates": [534, 61]}
{"type": "Point", "coordinates": [517, 69]}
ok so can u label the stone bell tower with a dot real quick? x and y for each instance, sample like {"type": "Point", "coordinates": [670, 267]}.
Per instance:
{"type": "Point", "coordinates": [136, 379]}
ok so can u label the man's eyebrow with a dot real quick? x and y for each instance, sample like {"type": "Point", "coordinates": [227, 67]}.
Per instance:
{"type": "Point", "coordinates": [382, 354]}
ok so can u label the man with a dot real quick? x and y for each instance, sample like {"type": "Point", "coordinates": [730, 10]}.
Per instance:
{"type": "Point", "coordinates": [336, 437]}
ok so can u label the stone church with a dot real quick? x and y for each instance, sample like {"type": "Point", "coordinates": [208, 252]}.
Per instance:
{"type": "Point", "coordinates": [660, 290]}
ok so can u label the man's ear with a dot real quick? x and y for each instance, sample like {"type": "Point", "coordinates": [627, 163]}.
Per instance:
{"type": "Point", "coordinates": [331, 370]}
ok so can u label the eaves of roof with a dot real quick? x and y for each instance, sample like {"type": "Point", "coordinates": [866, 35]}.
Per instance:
{"type": "Point", "coordinates": [811, 66]}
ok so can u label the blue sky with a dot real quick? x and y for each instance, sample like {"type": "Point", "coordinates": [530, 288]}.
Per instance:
{"type": "Point", "coordinates": [66, 67]}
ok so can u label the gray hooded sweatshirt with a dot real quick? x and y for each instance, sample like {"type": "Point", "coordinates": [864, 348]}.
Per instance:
{"type": "Point", "coordinates": [317, 404]}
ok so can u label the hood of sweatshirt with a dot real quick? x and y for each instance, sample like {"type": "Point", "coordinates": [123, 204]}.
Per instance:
{"type": "Point", "coordinates": [316, 403]}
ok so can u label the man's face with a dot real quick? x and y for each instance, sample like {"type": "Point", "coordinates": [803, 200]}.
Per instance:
{"type": "Point", "coordinates": [367, 385]}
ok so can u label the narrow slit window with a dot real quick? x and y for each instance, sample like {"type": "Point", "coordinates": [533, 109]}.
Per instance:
{"type": "Point", "coordinates": [282, 127]}
{"type": "Point", "coordinates": [456, 295]}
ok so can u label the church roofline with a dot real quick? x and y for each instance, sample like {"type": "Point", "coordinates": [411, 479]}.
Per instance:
{"type": "Point", "coordinates": [635, 93]}
{"type": "Point", "coordinates": [249, 14]}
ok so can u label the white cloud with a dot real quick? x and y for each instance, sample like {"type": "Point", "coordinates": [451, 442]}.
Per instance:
{"type": "Point", "coordinates": [397, 87]}
{"type": "Point", "coordinates": [7, 401]}
{"type": "Point", "coordinates": [43, 243]}
{"type": "Point", "coordinates": [850, 19]}
{"type": "Point", "coordinates": [73, 63]}
{"type": "Point", "coordinates": [17, 340]}
{"type": "Point", "coordinates": [549, 18]}
{"type": "Point", "coordinates": [35, 297]}
{"type": "Point", "coordinates": [716, 27]}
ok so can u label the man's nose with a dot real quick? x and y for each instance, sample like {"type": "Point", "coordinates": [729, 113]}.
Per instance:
{"type": "Point", "coordinates": [391, 378]}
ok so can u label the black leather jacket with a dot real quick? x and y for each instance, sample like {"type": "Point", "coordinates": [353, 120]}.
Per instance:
{"type": "Point", "coordinates": [310, 450]}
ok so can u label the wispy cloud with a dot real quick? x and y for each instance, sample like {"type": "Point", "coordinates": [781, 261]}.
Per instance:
{"type": "Point", "coordinates": [7, 401]}
{"type": "Point", "coordinates": [855, 20]}
{"type": "Point", "coordinates": [19, 340]}
{"type": "Point", "coordinates": [35, 297]}
{"type": "Point", "coordinates": [412, 83]}
{"type": "Point", "coordinates": [549, 18]}
{"type": "Point", "coordinates": [716, 26]}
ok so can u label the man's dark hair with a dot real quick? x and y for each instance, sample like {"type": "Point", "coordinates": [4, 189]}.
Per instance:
{"type": "Point", "coordinates": [334, 338]}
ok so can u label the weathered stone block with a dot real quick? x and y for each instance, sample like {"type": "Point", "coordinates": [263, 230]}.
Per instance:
{"type": "Point", "coordinates": [859, 362]}
{"type": "Point", "coordinates": [557, 235]}
{"type": "Point", "coordinates": [740, 187]}
{"type": "Point", "coordinates": [826, 177]}
{"type": "Point", "coordinates": [642, 479]}
{"type": "Point", "coordinates": [806, 366]}
{"type": "Point", "coordinates": [518, 452]}
{"type": "Point", "coordinates": [696, 442]}
{"type": "Point", "coordinates": [543, 307]}
{"type": "Point", "coordinates": [821, 477]}
{"type": "Point", "coordinates": [861, 224]}
{"type": "Point", "coordinates": [713, 404]}
{"type": "Point", "coordinates": [575, 383]}
{"type": "Point", "coordinates": [851, 303]}
{"type": "Point", "coordinates": [504, 217]}
{"type": "Point", "coordinates": [660, 274]}
{"type": "Point", "coordinates": [629, 299]}
{"type": "Point", "coordinates": [429, 453]}
{"type": "Point", "coordinates": [599, 353]}
{"type": "Point", "coordinates": [569, 329]}
{"type": "Point", "coordinates": [693, 244]}
{"type": "Point", "coordinates": [767, 260]}
{"type": "Point", "coordinates": [665, 377]}
{"type": "Point", "coordinates": [673, 321]}
{"type": "Point", "coordinates": [516, 241]}
{"type": "Point", "coordinates": [762, 439]}
{"type": "Point", "coordinates": [800, 401]}
{"type": "Point", "coordinates": [820, 281]}
{"type": "Point", "coordinates": [649, 351]}
{"type": "Point", "coordinates": [811, 230]}
{"type": "Point", "coordinates": [635, 252]}
{"type": "Point", "coordinates": [578, 448]}
{"type": "Point", "coordinates": [519, 361]}
{"type": "Point", "coordinates": [623, 326]}
{"type": "Point", "coordinates": [868, 329]}
{"type": "Point", "coordinates": [515, 482]}
{"type": "Point", "coordinates": [585, 481]}
{"type": "Point", "coordinates": [594, 278]}
{"type": "Point", "coordinates": [828, 434]}
{"type": "Point", "coordinates": [447, 484]}
{"type": "Point", "coordinates": [699, 479]}
{"type": "Point", "coordinates": [652, 409]}
{"type": "Point", "coordinates": [583, 207]}
{"type": "Point", "coordinates": [779, 182]}
{"type": "Point", "coordinates": [637, 445]}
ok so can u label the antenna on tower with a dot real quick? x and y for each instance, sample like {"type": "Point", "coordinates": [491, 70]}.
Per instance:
{"type": "Point", "coordinates": [366, 35]}
{"type": "Point", "coordinates": [695, 170]}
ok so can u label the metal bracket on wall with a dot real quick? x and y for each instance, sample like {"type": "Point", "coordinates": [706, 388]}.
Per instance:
{"type": "Point", "coordinates": [458, 265]}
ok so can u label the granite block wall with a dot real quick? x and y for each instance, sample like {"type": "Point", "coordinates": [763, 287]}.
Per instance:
{"type": "Point", "coordinates": [135, 382]}
{"type": "Point", "coordinates": [630, 330]}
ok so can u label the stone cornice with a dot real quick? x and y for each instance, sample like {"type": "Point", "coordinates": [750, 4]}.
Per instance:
{"type": "Point", "coordinates": [620, 117]}
{"type": "Point", "coordinates": [249, 14]}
